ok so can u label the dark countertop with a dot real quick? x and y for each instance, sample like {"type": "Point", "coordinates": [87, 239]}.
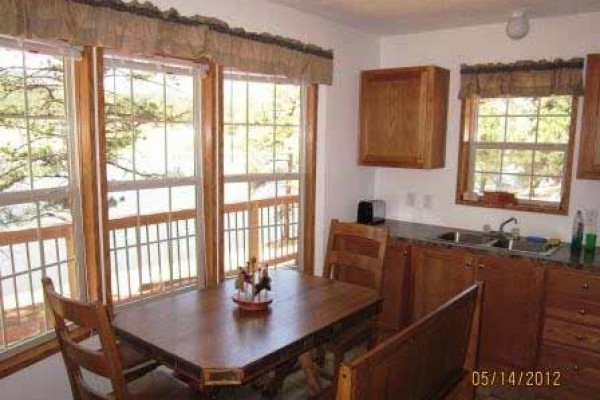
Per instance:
{"type": "Point", "coordinates": [425, 234]}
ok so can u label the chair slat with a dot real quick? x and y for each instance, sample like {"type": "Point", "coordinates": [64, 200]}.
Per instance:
{"type": "Point", "coordinates": [353, 260]}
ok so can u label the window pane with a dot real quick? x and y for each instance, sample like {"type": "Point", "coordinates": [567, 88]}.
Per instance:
{"type": "Point", "coordinates": [521, 129]}
{"type": "Point", "coordinates": [119, 151]}
{"type": "Point", "coordinates": [517, 161]}
{"type": "Point", "coordinates": [261, 102]}
{"type": "Point", "coordinates": [517, 184]}
{"type": "Point", "coordinates": [122, 204]}
{"type": "Point", "coordinates": [49, 158]}
{"type": "Point", "coordinates": [262, 190]}
{"type": "Point", "coordinates": [154, 201]}
{"type": "Point", "coordinates": [288, 105]}
{"type": "Point", "coordinates": [150, 157]}
{"type": "Point", "coordinates": [235, 101]}
{"type": "Point", "coordinates": [486, 182]}
{"type": "Point", "coordinates": [556, 105]}
{"type": "Point", "coordinates": [234, 150]}
{"type": "Point", "coordinates": [287, 149]}
{"type": "Point", "coordinates": [183, 198]}
{"type": "Point", "coordinates": [522, 106]}
{"type": "Point", "coordinates": [288, 188]}
{"type": "Point", "coordinates": [554, 130]}
{"type": "Point", "coordinates": [181, 153]}
{"type": "Point", "coordinates": [45, 80]}
{"type": "Point", "coordinates": [235, 192]}
{"type": "Point", "coordinates": [14, 155]}
{"type": "Point", "coordinates": [547, 189]}
{"type": "Point", "coordinates": [490, 129]}
{"type": "Point", "coordinates": [549, 163]}
{"type": "Point", "coordinates": [260, 150]}
{"type": "Point", "coordinates": [492, 106]}
{"type": "Point", "coordinates": [180, 97]}
{"type": "Point", "coordinates": [487, 160]}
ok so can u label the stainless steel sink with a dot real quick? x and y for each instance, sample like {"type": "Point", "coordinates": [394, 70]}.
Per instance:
{"type": "Point", "coordinates": [468, 238]}
{"type": "Point", "coordinates": [482, 240]}
{"type": "Point", "coordinates": [522, 246]}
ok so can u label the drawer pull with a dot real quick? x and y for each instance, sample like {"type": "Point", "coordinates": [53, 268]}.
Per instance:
{"type": "Point", "coordinates": [585, 286]}
{"type": "Point", "coordinates": [468, 264]}
{"type": "Point", "coordinates": [581, 338]}
{"type": "Point", "coordinates": [582, 312]}
{"type": "Point", "coordinates": [481, 266]}
{"type": "Point", "coordinates": [405, 253]}
{"type": "Point", "coordinates": [575, 368]}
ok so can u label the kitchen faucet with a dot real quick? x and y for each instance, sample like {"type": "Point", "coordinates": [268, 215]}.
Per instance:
{"type": "Point", "coordinates": [502, 225]}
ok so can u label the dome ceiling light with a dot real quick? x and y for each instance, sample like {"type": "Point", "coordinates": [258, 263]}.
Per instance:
{"type": "Point", "coordinates": [517, 26]}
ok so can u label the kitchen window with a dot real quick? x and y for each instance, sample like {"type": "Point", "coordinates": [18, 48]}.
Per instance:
{"type": "Point", "coordinates": [521, 145]}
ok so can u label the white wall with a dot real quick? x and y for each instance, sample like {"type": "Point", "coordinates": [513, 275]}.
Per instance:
{"type": "Point", "coordinates": [566, 37]}
{"type": "Point", "coordinates": [341, 182]}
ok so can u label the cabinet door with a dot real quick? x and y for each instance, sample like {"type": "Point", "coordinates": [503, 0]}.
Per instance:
{"type": "Point", "coordinates": [589, 148]}
{"type": "Point", "coordinates": [511, 314]}
{"type": "Point", "coordinates": [393, 116]}
{"type": "Point", "coordinates": [395, 288]}
{"type": "Point", "coordinates": [437, 276]}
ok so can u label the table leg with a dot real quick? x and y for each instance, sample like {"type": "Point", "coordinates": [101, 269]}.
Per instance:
{"type": "Point", "coordinates": [310, 372]}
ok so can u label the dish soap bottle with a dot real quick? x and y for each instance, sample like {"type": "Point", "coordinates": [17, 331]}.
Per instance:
{"type": "Point", "coordinates": [577, 238]}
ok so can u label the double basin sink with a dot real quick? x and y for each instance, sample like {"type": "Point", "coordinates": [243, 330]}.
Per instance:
{"type": "Point", "coordinates": [485, 240]}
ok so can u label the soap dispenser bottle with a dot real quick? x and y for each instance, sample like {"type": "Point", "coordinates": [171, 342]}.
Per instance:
{"type": "Point", "coordinates": [577, 238]}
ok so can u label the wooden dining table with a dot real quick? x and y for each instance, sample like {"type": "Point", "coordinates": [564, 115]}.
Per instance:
{"type": "Point", "coordinates": [206, 339]}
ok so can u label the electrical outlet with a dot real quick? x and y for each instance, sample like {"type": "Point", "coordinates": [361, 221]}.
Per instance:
{"type": "Point", "coordinates": [411, 199]}
{"type": "Point", "coordinates": [428, 201]}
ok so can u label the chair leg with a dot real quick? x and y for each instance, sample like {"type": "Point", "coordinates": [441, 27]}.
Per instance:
{"type": "Point", "coordinates": [338, 358]}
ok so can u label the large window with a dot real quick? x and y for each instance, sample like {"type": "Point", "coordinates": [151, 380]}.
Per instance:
{"type": "Point", "coordinates": [39, 195]}
{"type": "Point", "coordinates": [519, 145]}
{"type": "Point", "coordinates": [152, 171]}
{"type": "Point", "coordinates": [262, 162]}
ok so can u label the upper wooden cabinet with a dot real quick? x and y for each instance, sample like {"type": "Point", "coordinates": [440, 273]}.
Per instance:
{"type": "Point", "coordinates": [403, 115]}
{"type": "Point", "coordinates": [589, 148]}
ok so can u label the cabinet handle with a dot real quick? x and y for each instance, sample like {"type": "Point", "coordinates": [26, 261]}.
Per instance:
{"type": "Point", "coordinates": [575, 368]}
{"type": "Point", "coordinates": [585, 286]}
{"type": "Point", "coordinates": [405, 253]}
{"type": "Point", "coordinates": [582, 311]}
{"type": "Point", "coordinates": [481, 266]}
{"type": "Point", "coordinates": [468, 264]}
{"type": "Point", "coordinates": [581, 338]}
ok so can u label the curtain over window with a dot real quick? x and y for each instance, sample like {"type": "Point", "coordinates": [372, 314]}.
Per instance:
{"type": "Point", "coordinates": [522, 79]}
{"type": "Point", "coordinates": [143, 29]}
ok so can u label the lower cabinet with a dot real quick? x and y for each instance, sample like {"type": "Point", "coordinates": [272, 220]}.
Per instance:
{"type": "Point", "coordinates": [394, 310]}
{"type": "Point", "coordinates": [437, 275]}
{"type": "Point", "coordinates": [511, 313]}
{"type": "Point", "coordinates": [571, 334]}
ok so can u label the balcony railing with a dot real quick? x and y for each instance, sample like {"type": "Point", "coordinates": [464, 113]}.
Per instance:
{"type": "Point", "coordinates": [150, 254]}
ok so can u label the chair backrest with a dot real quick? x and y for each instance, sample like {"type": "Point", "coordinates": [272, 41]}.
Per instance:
{"type": "Point", "coordinates": [105, 362]}
{"type": "Point", "coordinates": [429, 360]}
{"type": "Point", "coordinates": [353, 267]}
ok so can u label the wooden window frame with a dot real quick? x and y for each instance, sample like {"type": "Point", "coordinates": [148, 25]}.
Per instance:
{"type": "Point", "coordinates": [308, 180]}
{"type": "Point", "coordinates": [92, 146]}
{"type": "Point", "coordinates": [467, 125]}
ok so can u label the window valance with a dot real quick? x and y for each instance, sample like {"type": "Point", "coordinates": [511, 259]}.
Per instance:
{"type": "Point", "coordinates": [143, 29]}
{"type": "Point", "coordinates": [522, 79]}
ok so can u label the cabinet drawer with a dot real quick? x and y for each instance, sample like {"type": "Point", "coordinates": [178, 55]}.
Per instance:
{"type": "Point", "coordinates": [582, 337]}
{"type": "Point", "coordinates": [579, 370]}
{"type": "Point", "coordinates": [572, 309]}
{"type": "Point", "coordinates": [580, 285]}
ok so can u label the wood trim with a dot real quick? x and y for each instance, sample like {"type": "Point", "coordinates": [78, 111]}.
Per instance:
{"type": "Point", "coordinates": [310, 179]}
{"type": "Point", "coordinates": [86, 112]}
{"type": "Point", "coordinates": [210, 173]}
{"type": "Point", "coordinates": [468, 115]}
{"type": "Point", "coordinates": [589, 143]}
{"type": "Point", "coordinates": [36, 353]}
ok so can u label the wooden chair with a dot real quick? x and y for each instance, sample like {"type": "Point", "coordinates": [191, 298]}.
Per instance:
{"type": "Point", "coordinates": [109, 361]}
{"type": "Point", "coordinates": [430, 360]}
{"type": "Point", "coordinates": [362, 269]}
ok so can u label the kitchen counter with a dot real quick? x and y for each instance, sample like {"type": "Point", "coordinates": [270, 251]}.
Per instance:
{"type": "Point", "coordinates": [425, 234]}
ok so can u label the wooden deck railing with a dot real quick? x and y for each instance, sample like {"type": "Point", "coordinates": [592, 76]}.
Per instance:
{"type": "Point", "coordinates": [266, 228]}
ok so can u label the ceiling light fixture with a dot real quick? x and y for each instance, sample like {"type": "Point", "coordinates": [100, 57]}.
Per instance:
{"type": "Point", "coordinates": [517, 26]}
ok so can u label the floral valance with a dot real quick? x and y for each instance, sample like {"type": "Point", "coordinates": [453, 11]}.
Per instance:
{"type": "Point", "coordinates": [143, 29]}
{"type": "Point", "coordinates": [522, 79]}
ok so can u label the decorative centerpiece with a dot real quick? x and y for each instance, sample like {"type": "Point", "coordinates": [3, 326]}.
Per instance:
{"type": "Point", "coordinates": [253, 287]}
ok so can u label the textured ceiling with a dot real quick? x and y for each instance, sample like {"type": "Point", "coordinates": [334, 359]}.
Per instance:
{"type": "Point", "coordinates": [404, 16]}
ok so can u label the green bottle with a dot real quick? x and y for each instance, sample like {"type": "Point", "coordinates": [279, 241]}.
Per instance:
{"type": "Point", "coordinates": [577, 238]}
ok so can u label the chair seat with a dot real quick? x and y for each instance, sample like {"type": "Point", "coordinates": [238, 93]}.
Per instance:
{"type": "Point", "coordinates": [160, 385]}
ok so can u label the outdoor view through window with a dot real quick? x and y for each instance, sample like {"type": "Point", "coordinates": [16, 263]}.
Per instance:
{"type": "Point", "coordinates": [262, 164]}
{"type": "Point", "coordinates": [38, 192]}
{"type": "Point", "coordinates": [520, 145]}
